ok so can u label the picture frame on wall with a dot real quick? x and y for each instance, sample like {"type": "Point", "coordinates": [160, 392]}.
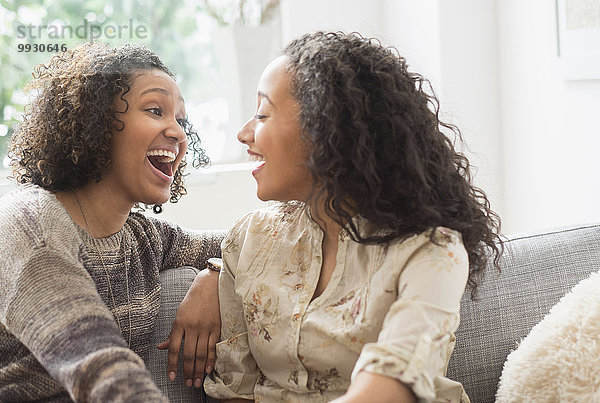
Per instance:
{"type": "Point", "coordinates": [578, 39]}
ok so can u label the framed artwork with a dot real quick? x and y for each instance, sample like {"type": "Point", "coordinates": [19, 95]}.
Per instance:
{"type": "Point", "coordinates": [578, 38]}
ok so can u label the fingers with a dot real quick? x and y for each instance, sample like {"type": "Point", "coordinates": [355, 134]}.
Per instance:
{"type": "Point", "coordinates": [205, 357]}
{"type": "Point", "coordinates": [189, 357]}
{"type": "Point", "coordinates": [174, 346]}
{"type": "Point", "coordinates": [200, 360]}
{"type": "Point", "coordinates": [201, 355]}
{"type": "Point", "coordinates": [212, 352]}
{"type": "Point", "coordinates": [198, 356]}
{"type": "Point", "coordinates": [164, 345]}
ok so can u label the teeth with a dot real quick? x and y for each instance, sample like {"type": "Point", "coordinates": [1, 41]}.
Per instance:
{"type": "Point", "coordinates": [253, 157]}
{"type": "Point", "coordinates": [169, 156]}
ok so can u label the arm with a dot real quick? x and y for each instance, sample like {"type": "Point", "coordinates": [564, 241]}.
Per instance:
{"type": "Point", "coordinates": [388, 390]}
{"type": "Point", "coordinates": [183, 247]}
{"type": "Point", "coordinates": [235, 373]}
{"type": "Point", "coordinates": [198, 321]}
{"type": "Point", "coordinates": [51, 305]}
{"type": "Point", "coordinates": [416, 339]}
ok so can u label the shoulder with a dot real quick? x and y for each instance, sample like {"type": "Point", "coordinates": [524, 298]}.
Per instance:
{"type": "Point", "coordinates": [33, 220]}
{"type": "Point", "coordinates": [438, 243]}
{"type": "Point", "coordinates": [23, 199]}
{"type": "Point", "coordinates": [143, 225]}
{"type": "Point", "coordinates": [433, 267]}
{"type": "Point", "coordinates": [260, 223]}
{"type": "Point", "coordinates": [152, 232]}
{"type": "Point", "coordinates": [139, 222]}
{"type": "Point", "coordinates": [268, 218]}
{"type": "Point", "coordinates": [442, 238]}
{"type": "Point", "coordinates": [33, 216]}
{"type": "Point", "coordinates": [274, 213]}
{"type": "Point", "coordinates": [168, 237]}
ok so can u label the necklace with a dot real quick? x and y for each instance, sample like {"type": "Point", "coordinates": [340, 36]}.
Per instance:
{"type": "Point", "coordinates": [112, 296]}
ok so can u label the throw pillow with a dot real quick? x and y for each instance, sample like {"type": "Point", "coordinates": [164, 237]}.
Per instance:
{"type": "Point", "coordinates": [559, 361]}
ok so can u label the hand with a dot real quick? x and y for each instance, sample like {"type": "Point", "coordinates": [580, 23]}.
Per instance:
{"type": "Point", "coordinates": [199, 322]}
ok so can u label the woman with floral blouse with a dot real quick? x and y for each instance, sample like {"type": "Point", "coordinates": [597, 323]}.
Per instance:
{"type": "Point", "coordinates": [348, 288]}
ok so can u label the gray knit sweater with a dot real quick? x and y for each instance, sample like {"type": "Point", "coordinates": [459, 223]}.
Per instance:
{"type": "Point", "coordinates": [59, 339]}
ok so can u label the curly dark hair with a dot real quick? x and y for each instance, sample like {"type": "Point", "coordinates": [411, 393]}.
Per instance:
{"type": "Point", "coordinates": [377, 146]}
{"type": "Point", "coordinates": [64, 139]}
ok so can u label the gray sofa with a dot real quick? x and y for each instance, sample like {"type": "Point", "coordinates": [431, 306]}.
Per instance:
{"type": "Point", "coordinates": [536, 270]}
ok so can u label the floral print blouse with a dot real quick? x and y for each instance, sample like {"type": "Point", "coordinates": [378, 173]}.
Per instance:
{"type": "Point", "coordinates": [387, 309]}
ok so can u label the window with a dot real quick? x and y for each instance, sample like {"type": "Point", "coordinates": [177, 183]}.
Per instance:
{"type": "Point", "coordinates": [217, 49]}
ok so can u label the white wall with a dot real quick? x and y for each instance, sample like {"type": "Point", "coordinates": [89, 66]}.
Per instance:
{"type": "Point", "coordinates": [301, 16]}
{"type": "Point", "coordinates": [404, 28]}
{"type": "Point", "coordinates": [532, 135]}
{"type": "Point", "coordinates": [469, 88]}
{"type": "Point", "coordinates": [214, 200]}
{"type": "Point", "coordinates": [453, 43]}
{"type": "Point", "coordinates": [549, 130]}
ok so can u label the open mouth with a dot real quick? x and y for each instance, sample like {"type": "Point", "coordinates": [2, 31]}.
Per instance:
{"type": "Point", "coordinates": [162, 160]}
{"type": "Point", "coordinates": [258, 159]}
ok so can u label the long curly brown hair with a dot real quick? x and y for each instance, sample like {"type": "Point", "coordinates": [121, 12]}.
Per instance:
{"type": "Point", "coordinates": [377, 146]}
{"type": "Point", "coordinates": [64, 139]}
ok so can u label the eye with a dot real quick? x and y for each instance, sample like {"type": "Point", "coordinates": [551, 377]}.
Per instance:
{"type": "Point", "coordinates": [155, 111]}
{"type": "Point", "coordinates": [182, 122]}
{"type": "Point", "coordinates": [260, 117]}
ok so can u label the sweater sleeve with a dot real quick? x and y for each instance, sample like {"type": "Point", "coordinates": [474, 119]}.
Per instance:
{"type": "Point", "coordinates": [56, 312]}
{"type": "Point", "coordinates": [184, 247]}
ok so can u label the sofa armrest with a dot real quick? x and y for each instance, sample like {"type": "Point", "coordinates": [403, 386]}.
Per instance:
{"type": "Point", "coordinates": [174, 285]}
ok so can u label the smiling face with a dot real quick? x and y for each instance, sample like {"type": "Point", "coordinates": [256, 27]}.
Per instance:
{"type": "Point", "coordinates": [274, 138]}
{"type": "Point", "coordinates": [147, 152]}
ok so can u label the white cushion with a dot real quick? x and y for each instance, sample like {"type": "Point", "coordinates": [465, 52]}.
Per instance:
{"type": "Point", "coordinates": [559, 361]}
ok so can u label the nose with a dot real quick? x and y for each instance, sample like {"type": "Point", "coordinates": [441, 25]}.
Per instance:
{"type": "Point", "coordinates": [246, 133]}
{"type": "Point", "coordinates": [176, 132]}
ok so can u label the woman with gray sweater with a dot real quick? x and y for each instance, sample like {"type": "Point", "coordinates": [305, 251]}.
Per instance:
{"type": "Point", "coordinates": [106, 133]}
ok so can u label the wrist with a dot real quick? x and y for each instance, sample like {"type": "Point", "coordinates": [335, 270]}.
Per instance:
{"type": "Point", "coordinates": [204, 280]}
{"type": "Point", "coordinates": [205, 276]}
{"type": "Point", "coordinates": [208, 273]}
{"type": "Point", "coordinates": [214, 264]}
